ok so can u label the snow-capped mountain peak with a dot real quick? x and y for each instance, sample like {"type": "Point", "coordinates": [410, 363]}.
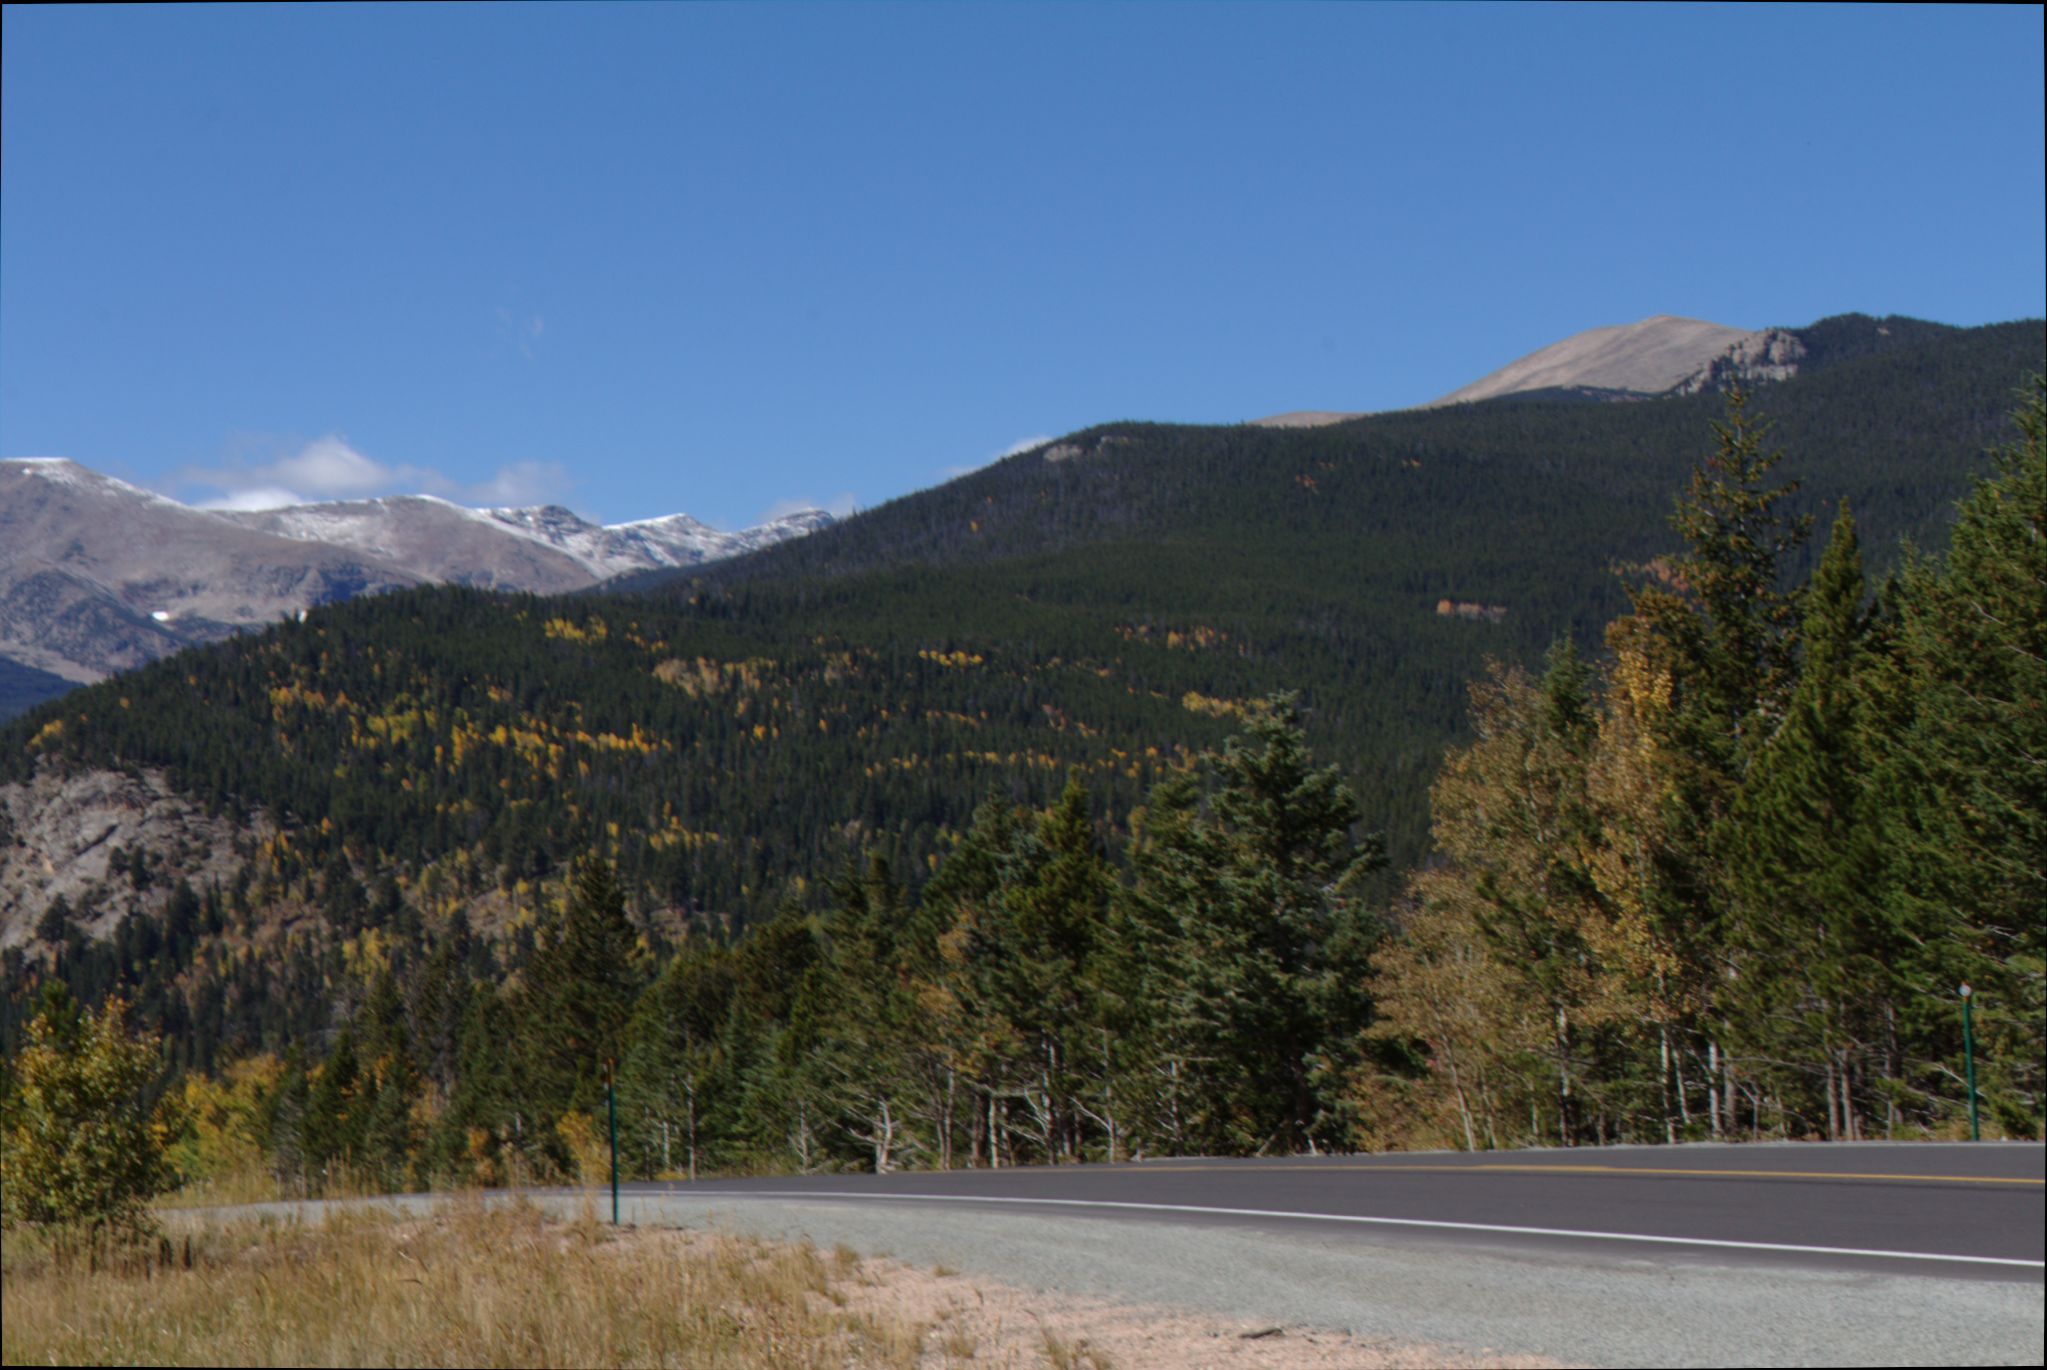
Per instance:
{"type": "Point", "coordinates": [99, 575]}
{"type": "Point", "coordinates": [64, 471]}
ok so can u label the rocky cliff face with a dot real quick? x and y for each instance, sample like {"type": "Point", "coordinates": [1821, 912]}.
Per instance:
{"type": "Point", "coordinates": [78, 837]}
{"type": "Point", "coordinates": [1771, 354]}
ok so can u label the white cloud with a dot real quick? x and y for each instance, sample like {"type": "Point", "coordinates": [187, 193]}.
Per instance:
{"type": "Point", "coordinates": [523, 482]}
{"type": "Point", "coordinates": [522, 331]}
{"type": "Point", "coordinates": [1021, 445]}
{"type": "Point", "coordinates": [260, 497]}
{"type": "Point", "coordinates": [329, 468]}
{"type": "Point", "coordinates": [839, 505]}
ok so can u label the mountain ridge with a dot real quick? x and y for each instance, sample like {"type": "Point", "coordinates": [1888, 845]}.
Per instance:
{"type": "Point", "coordinates": [732, 731]}
{"type": "Point", "coordinates": [61, 618]}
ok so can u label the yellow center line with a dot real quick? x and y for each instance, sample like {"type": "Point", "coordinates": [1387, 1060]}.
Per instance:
{"type": "Point", "coordinates": [1498, 1167]}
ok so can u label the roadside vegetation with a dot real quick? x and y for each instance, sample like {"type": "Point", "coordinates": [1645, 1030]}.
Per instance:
{"type": "Point", "coordinates": [462, 1287]}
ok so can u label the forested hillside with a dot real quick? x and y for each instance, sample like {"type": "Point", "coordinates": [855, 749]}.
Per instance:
{"type": "Point", "coordinates": [1883, 411]}
{"type": "Point", "coordinates": [981, 702]}
{"type": "Point", "coordinates": [865, 687]}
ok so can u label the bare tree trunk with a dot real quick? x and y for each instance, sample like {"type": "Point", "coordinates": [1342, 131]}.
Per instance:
{"type": "Point", "coordinates": [945, 1123]}
{"type": "Point", "coordinates": [1109, 1094]}
{"type": "Point", "coordinates": [1890, 1070]}
{"type": "Point", "coordinates": [1833, 1105]}
{"type": "Point", "coordinates": [800, 1140]}
{"type": "Point", "coordinates": [1663, 1081]}
{"type": "Point", "coordinates": [1712, 1092]}
{"type": "Point", "coordinates": [1463, 1105]}
{"type": "Point", "coordinates": [1727, 1093]}
{"type": "Point", "coordinates": [882, 1137]}
{"type": "Point", "coordinates": [1563, 1078]}
{"type": "Point", "coordinates": [1173, 1108]}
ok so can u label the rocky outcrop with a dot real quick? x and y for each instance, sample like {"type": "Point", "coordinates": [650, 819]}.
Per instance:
{"type": "Point", "coordinates": [1471, 609]}
{"type": "Point", "coordinates": [1770, 354]}
{"type": "Point", "coordinates": [1083, 447]}
{"type": "Point", "coordinates": [78, 836]}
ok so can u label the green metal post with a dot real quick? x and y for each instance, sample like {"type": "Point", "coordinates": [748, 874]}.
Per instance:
{"type": "Point", "coordinates": [611, 1112]}
{"type": "Point", "coordinates": [1969, 1061]}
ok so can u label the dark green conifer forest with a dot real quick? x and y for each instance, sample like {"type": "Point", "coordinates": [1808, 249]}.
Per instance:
{"type": "Point", "coordinates": [1178, 791]}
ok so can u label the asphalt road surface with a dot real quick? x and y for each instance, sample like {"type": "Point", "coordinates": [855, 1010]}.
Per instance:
{"type": "Point", "coordinates": [1953, 1210]}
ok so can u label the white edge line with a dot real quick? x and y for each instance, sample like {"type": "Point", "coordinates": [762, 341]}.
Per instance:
{"type": "Point", "coordinates": [1350, 1218]}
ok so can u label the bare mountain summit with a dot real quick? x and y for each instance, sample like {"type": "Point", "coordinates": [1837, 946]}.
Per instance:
{"type": "Point", "coordinates": [1659, 355]}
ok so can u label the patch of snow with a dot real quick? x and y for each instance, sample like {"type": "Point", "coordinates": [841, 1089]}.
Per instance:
{"type": "Point", "coordinates": [64, 471]}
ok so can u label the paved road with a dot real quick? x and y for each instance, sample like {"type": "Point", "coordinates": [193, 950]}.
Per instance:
{"type": "Point", "coordinates": [1951, 1210]}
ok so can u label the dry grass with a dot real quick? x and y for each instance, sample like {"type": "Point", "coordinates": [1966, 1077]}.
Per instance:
{"type": "Point", "coordinates": [464, 1287]}
{"type": "Point", "coordinates": [505, 1285]}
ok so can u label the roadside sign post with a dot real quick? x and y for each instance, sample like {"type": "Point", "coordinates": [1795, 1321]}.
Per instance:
{"type": "Point", "coordinates": [1969, 1064]}
{"type": "Point", "coordinates": [611, 1113]}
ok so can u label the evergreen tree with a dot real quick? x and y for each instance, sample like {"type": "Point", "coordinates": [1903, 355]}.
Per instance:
{"type": "Point", "coordinates": [581, 985]}
{"type": "Point", "coordinates": [1274, 962]}
{"type": "Point", "coordinates": [1720, 623]}
{"type": "Point", "coordinates": [1965, 812]}
{"type": "Point", "coordinates": [1801, 852]}
{"type": "Point", "coordinates": [336, 1115]}
{"type": "Point", "coordinates": [672, 1091]}
{"type": "Point", "coordinates": [1176, 861]}
{"type": "Point", "coordinates": [1037, 953]}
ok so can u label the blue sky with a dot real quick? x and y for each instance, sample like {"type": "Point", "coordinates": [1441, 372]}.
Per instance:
{"type": "Point", "coordinates": [648, 258]}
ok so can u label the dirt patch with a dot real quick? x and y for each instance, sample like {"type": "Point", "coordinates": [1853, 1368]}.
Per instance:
{"type": "Point", "coordinates": [969, 1320]}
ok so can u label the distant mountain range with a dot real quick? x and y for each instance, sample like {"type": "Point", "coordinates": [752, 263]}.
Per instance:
{"type": "Point", "coordinates": [98, 576]}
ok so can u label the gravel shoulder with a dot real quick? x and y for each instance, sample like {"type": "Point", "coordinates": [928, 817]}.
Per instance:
{"type": "Point", "coordinates": [1588, 1310]}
